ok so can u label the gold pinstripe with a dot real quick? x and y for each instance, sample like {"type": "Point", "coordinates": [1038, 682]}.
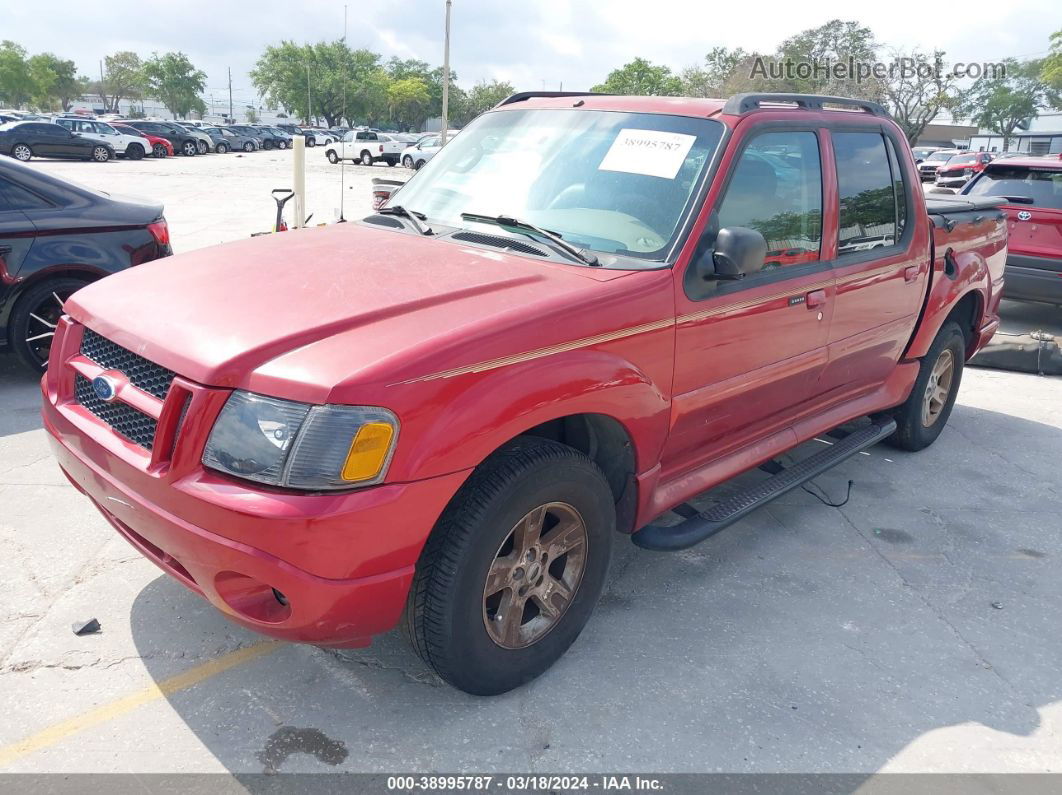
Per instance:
{"type": "Point", "coordinates": [693, 317]}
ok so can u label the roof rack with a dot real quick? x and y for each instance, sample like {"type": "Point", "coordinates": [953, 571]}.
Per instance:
{"type": "Point", "coordinates": [523, 95]}
{"type": "Point", "coordinates": [744, 103]}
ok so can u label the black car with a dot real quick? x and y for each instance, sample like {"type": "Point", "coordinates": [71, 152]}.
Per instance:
{"type": "Point", "coordinates": [269, 138]}
{"type": "Point", "coordinates": [180, 139]}
{"type": "Point", "coordinates": [56, 237]}
{"type": "Point", "coordinates": [25, 139]}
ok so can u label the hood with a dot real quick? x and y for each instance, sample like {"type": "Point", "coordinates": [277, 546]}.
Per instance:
{"type": "Point", "coordinates": [216, 315]}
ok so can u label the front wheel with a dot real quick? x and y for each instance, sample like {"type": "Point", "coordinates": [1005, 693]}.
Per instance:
{"type": "Point", "coordinates": [921, 418]}
{"type": "Point", "coordinates": [158, 150]}
{"type": "Point", "coordinates": [221, 148]}
{"type": "Point", "coordinates": [21, 152]}
{"type": "Point", "coordinates": [134, 152]}
{"type": "Point", "coordinates": [101, 154]}
{"type": "Point", "coordinates": [366, 158]}
{"type": "Point", "coordinates": [407, 161]}
{"type": "Point", "coordinates": [188, 148]}
{"type": "Point", "coordinates": [333, 158]}
{"type": "Point", "coordinates": [202, 147]}
{"type": "Point", "coordinates": [248, 147]}
{"type": "Point", "coordinates": [513, 569]}
{"type": "Point", "coordinates": [310, 141]}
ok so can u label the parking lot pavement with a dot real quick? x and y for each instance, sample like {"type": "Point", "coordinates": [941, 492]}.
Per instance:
{"type": "Point", "coordinates": [916, 628]}
{"type": "Point", "coordinates": [214, 199]}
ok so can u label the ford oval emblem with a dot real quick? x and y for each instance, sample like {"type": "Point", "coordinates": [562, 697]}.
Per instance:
{"type": "Point", "coordinates": [1024, 215]}
{"type": "Point", "coordinates": [104, 388]}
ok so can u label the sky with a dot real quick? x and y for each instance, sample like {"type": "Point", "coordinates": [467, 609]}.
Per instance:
{"type": "Point", "coordinates": [533, 44]}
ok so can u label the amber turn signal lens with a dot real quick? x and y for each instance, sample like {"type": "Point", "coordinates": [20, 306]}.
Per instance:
{"type": "Point", "coordinates": [368, 452]}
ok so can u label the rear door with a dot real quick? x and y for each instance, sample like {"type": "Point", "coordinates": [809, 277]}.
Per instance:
{"type": "Point", "coordinates": [881, 269]}
{"type": "Point", "coordinates": [749, 353]}
{"type": "Point", "coordinates": [17, 231]}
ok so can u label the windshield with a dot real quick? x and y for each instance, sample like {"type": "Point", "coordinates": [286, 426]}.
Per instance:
{"type": "Point", "coordinates": [962, 159]}
{"type": "Point", "coordinates": [940, 156]}
{"type": "Point", "coordinates": [1042, 186]}
{"type": "Point", "coordinates": [609, 181]}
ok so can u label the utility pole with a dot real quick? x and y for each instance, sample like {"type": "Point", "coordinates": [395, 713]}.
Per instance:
{"type": "Point", "coordinates": [231, 118]}
{"type": "Point", "coordinates": [308, 104]}
{"type": "Point", "coordinates": [446, 76]}
{"type": "Point", "coordinates": [103, 89]}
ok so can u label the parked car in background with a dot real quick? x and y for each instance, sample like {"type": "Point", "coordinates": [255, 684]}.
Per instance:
{"type": "Point", "coordinates": [960, 168]}
{"type": "Point", "coordinates": [922, 152]}
{"type": "Point", "coordinates": [1008, 155]}
{"type": "Point", "coordinates": [1032, 189]}
{"type": "Point", "coordinates": [418, 154]}
{"type": "Point", "coordinates": [312, 135]}
{"type": "Point", "coordinates": [133, 147]}
{"type": "Point", "coordinates": [455, 413]}
{"type": "Point", "coordinates": [226, 140]}
{"type": "Point", "coordinates": [366, 147]}
{"type": "Point", "coordinates": [203, 142]}
{"type": "Point", "coordinates": [180, 139]}
{"type": "Point", "coordinates": [927, 169]}
{"type": "Point", "coordinates": [56, 237]}
{"type": "Point", "coordinates": [270, 138]}
{"type": "Point", "coordinates": [25, 139]}
{"type": "Point", "coordinates": [158, 147]}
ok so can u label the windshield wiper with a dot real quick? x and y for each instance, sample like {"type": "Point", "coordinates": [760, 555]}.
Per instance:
{"type": "Point", "coordinates": [412, 216]}
{"type": "Point", "coordinates": [1018, 199]}
{"type": "Point", "coordinates": [523, 226]}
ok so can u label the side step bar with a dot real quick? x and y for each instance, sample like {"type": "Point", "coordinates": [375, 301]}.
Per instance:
{"type": "Point", "coordinates": [699, 526]}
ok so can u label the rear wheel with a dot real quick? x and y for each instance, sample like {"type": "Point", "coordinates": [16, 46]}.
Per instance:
{"type": "Point", "coordinates": [35, 317]}
{"type": "Point", "coordinates": [333, 158]}
{"type": "Point", "coordinates": [366, 158]}
{"type": "Point", "coordinates": [514, 567]}
{"type": "Point", "coordinates": [419, 165]}
{"type": "Point", "coordinates": [158, 150]}
{"type": "Point", "coordinates": [221, 148]}
{"type": "Point", "coordinates": [310, 141]}
{"type": "Point", "coordinates": [21, 152]}
{"type": "Point", "coordinates": [407, 161]}
{"type": "Point", "coordinates": [248, 147]}
{"type": "Point", "coordinates": [921, 418]}
{"type": "Point", "coordinates": [202, 147]}
{"type": "Point", "coordinates": [188, 148]}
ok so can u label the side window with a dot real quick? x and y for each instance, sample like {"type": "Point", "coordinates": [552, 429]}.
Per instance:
{"type": "Point", "coordinates": [897, 189]}
{"type": "Point", "coordinates": [868, 209]}
{"type": "Point", "coordinates": [362, 136]}
{"type": "Point", "coordinates": [776, 189]}
{"type": "Point", "coordinates": [15, 197]}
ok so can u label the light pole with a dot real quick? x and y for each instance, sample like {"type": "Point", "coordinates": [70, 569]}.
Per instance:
{"type": "Point", "coordinates": [446, 76]}
{"type": "Point", "coordinates": [308, 104]}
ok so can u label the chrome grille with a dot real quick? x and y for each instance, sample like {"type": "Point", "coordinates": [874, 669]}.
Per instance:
{"type": "Point", "coordinates": [148, 376]}
{"type": "Point", "coordinates": [134, 425]}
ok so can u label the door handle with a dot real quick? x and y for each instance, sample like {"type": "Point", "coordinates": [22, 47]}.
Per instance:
{"type": "Point", "coordinates": [910, 273]}
{"type": "Point", "coordinates": [815, 298]}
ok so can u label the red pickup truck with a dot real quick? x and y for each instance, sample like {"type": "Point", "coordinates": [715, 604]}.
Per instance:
{"type": "Point", "coordinates": [563, 327]}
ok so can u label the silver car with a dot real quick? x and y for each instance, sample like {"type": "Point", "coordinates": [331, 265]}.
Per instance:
{"type": "Point", "coordinates": [226, 140]}
{"type": "Point", "coordinates": [202, 141]}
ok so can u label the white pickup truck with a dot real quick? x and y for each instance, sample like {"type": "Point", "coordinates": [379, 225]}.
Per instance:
{"type": "Point", "coordinates": [366, 147]}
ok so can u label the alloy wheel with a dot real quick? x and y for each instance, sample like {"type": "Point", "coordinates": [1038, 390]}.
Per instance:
{"type": "Point", "coordinates": [44, 318]}
{"type": "Point", "coordinates": [535, 575]}
{"type": "Point", "coordinates": [938, 387]}
{"type": "Point", "coordinates": [22, 152]}
{"type": "Point", "coordinates": [100, 154]}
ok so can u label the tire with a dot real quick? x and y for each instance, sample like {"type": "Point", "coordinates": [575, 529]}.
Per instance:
{"type": "Point", "coordinates": [451, 614]}
{"type": "Point", "coordinates": [392, 162]}
{"type": "Point", "coordinates": [283, 144]}
{"type": "Point", "coordinates": [101, 154]}
{"type": "Point", "coordinates": [419, 165]}
{"type": "Point", "coordinates": [921, 418]}
{"type": "Point", "coordinates": [189, 149]}
{"type": "Point", "coordinates": [310, 141]}
{"type": "Point", "coordinates": [202, 147]}
{"type": "Point", "coordinates": [34, 317]}
{"type": "Point", "coordinates": [267, 145]}
{"type": "Point", "coordinates": [248, 147]}
{"type": "Point", "coordinates": [21, 152]}
{"type": "Point", "coordinates": [407, 161]}
{"type": "Point", "coordinates": [221, 148]}
{"type": "Point", "coordinates": [366, 158]}
{"type": "Point", "coordinates": [135, 152]}
{"type": "Point", "coordinates": [333, 158]}
{"type": "Point", "coordinates": [159, 151]}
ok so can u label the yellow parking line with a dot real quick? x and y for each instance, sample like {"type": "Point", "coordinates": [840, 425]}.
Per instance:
{"type": "Point", "coordinates": [193, 676]}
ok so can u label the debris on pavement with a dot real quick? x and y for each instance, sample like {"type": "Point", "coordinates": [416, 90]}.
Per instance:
{"type": "Point", "coordinates": [86, 627]}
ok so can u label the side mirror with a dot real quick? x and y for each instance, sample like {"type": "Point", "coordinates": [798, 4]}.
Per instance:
{"type": "Point", "coordinates": [738, 251]}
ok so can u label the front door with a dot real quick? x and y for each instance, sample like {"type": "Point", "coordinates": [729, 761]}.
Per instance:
{"type": "Point", "coordinates": [749, 352]}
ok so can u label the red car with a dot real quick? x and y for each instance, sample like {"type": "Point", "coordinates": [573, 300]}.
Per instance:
{"type": "Point", "coordinates": [961, 168]}
{"type": "Point", "coordinates": [159, 147]}
{"type": "Point", "coordinates": [560, 329]}
{"type": "Point", "coordinates": [1032, 189]}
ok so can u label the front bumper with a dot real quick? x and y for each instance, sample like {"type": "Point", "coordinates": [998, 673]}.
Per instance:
{"type": "Point", "coordinates": [341, 563]}
{"type": "Point", "coordinates": [952, 180]}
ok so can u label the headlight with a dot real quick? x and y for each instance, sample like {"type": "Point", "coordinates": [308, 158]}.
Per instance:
{"type": "Point", "coordinates": [284, 443]}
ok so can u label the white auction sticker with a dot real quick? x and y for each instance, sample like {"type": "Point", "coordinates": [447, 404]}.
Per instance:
{"type": "Point", "coordinates": [650, 152]}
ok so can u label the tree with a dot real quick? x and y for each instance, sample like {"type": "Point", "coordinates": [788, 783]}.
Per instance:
{"type": "Point", "coordinates": [123, 78]}
{"type": "Point", "coordinates": [55, 82]}
{"type": "Point", "coordinates": [16, 85]}
{"type": "Point", "coordinates": [251, 115]}
{"type": "Point", "coordinates": [480, 98]}
{"type": "Point", "coordinates": [917, 90]}
{"type": "Point", "coordinates": [836, 42]}
{"type": "Point", "coordinates": [1051, 73]}
{"type": "Point", "coordinates": [1004, 103]}
{"type": "Point", "coordinates": [639, 77]}
{"type": "Point", "coordinates": [175, 81]}
{"type": "Point", "coordinates": [407, 101]}
{"type": "Point", "coordinates": [715, 77]}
